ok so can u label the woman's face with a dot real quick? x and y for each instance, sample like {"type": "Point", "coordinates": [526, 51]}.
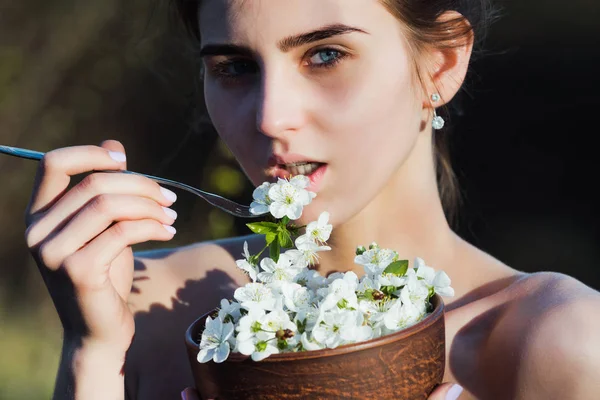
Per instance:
{"type": "Point", "coordinates": [328, 81]}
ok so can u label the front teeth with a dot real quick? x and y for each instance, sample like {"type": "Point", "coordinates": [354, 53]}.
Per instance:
{"type": "Point", "coordinates": [302, 168]}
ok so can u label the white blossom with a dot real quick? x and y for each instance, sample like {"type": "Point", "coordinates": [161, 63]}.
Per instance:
{"type": "Point", "coordinates": [306, 252]}
{"type": "Point", "coordinates": [245, 264]}
{"type": "Point", "coordinates": [229, 310]}
{"type": "Point", "coordinates": [287, 199]}
{"type": "Point", "coordinates": [309, 344]}
{"type": "Point", "coordinates": [311, 279]}
{"type": "Point", "coordinates": [299, 181]}
{"type": "Point", "coordinates": [261, 202]}
{"type": "Point", "coordinates": [439, 280]}
{"type": "Point", "coordinates": [290, 307]}
{"type": "Point", "coordinates": [401, 315]}
{"type": "Point", "coordinates": [276, 272]}
{"type": "Point", "coordinates": [320, 230]}
{"type": "Point", "coordinates": [340, 326]}
{"type": "Point", "coordinates": [375, 260]}
{"type": "Point", "coordinates": [375, 311]}
{"type": "Point", "coordinates": [255, 295]}
{"type": "Point", "coordinates": [296, 297]}
{"type": "Point", "coordinates": [342, 293]}
{"type": "Point", "coordinates": [214, 343]}
{"type": "Point", "coordinates": [415, 291]}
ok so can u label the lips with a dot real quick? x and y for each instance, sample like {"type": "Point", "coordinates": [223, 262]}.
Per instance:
{"type": "Point", "coordinates": [316, 177]}
{"type": "Point", "coordinates": [276, 159]}
{"type": "Point", "coordinates": [276, 164]}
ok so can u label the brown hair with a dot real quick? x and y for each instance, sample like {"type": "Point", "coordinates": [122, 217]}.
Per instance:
{"type": "Point", "coordinates": [424, 29]}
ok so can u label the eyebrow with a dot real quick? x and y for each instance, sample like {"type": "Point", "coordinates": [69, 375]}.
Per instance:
{"type": "Point", "coordinates": [325, 32]}
{"type": "Point", "coordinates": [285, 44]}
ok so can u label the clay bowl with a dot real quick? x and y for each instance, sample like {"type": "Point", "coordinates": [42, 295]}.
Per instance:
{"type": "Point", "coordinates": [405, 365]}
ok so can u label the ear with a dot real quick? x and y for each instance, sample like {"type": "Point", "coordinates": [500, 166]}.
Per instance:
{"type": "Point", "coordinates": [446, 65]}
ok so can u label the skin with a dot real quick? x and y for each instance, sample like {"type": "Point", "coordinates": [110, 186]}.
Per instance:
{"type": "Point", "coordinates": [370, 120]}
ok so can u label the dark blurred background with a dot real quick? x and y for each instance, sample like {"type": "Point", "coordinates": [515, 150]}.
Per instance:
{"type": "Point", "coordinates": [77, 72]}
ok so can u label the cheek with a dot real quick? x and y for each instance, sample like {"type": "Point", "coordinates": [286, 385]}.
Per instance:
{"type": "Point", "coordinates": [372, 125]}
{"type": "Point", "coordinates": [232, 116]}
{"type": "Point", "coordinates": [372, 104]}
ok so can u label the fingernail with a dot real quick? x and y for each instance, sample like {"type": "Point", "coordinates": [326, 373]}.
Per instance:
{"type": "Point", "coordinates": [170, 229]}
{"type": "Point", "coordinates": [454, 392]}
{"type": "Point", "coordinates": [184, 395]}
{"type": "Point", "coordinates": [170, 213]}
{"type": "Point", "coordinates": [168, 194]}
{"type": "Point", "coordinates": [117, 156]}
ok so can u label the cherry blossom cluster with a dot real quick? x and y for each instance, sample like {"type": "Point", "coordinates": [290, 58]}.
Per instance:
{"type": "Point", "coordinates": [288, 306]}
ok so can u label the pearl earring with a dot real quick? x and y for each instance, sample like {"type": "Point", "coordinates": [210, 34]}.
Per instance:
{"type": "Point", "coordinates": [438, 122]}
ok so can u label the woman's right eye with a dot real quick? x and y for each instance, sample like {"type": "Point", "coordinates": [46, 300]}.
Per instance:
{"type": "Point", "coordinates": [233, 69]}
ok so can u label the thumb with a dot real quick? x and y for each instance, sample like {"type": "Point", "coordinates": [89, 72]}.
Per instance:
{"type": "Point", "coordinates": [115, 147]}
{"type": "Point", "coordinates": [446, 391]}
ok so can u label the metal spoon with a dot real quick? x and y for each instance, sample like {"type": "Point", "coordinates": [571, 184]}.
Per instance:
{"type": "Point", "coordinates": [224, 204]}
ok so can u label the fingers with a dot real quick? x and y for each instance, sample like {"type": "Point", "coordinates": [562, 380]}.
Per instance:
{"type": "Point", "coordinates": [96, 217]}
{"type": "Point", "coordinates": [88, 267]}
{"type": "Point", "coordinates": [57, 167]}
{"type": "Point", "coordinates": [446, 391]}
{"type": "Point", "coordinates": [114, 146]}
{"type": "Point", "coordinates": [93, 190]}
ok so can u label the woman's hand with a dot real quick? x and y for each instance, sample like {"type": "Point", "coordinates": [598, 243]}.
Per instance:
{"type": "Point", "coordinates": [446, 391]}
{"type": "Point", "coordinates": [81, 238]}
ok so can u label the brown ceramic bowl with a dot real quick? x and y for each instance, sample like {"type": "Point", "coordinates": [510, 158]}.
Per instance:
{"type": "Point", "coordinates": [404, 365]}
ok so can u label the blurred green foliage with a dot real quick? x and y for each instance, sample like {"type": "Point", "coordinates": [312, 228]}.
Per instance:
{"type": "Point", "coordinates": [72, 73]}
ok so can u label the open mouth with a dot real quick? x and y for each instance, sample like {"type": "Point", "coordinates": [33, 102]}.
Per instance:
{"type": "Point", "coordinates": [314, 171]}
{"type": "Point", "coordinates": [301, 168]}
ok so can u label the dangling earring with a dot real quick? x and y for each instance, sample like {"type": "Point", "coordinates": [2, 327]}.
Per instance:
{"type": "Point", "coordinates": [438, 122]}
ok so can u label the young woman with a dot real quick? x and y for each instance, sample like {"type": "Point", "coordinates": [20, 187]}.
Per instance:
{"type": "Point", "coordinates": [349, 87]}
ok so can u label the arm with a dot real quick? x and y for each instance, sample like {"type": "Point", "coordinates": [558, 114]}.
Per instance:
{"type": "Point", "coordinates": [90, 371]}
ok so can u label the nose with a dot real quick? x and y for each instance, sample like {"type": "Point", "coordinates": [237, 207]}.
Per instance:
{"type": "Point", "coordinates": [279, 105]}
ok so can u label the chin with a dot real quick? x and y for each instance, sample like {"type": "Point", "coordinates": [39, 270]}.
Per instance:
{"type": "Point", "coordinates": [312, 212]}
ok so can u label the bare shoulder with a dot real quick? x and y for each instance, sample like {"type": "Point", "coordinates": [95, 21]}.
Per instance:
{"type": "Point", "coordinates": [545, 331]}
{"type": "Point", "coordinates": [159, 272]}
{"type": "Point", "coordinates": [171, 289]}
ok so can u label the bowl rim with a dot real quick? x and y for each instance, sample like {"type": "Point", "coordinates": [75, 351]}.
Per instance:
{"type": "Point", "coordinates": [433, 317]}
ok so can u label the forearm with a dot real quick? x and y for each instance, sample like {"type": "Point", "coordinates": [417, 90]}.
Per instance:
{"type": "Point", "coordinates": [89, 371]}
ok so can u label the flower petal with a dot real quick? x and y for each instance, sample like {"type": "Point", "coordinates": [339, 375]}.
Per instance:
{"type": "Point", "coordinates": [205, 355]}
{"type": "Point", "coordinates": [221, 353]}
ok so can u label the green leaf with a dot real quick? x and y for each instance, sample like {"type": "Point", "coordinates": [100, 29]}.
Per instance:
{"type": "Point", "coordinates": [397, 268]}
{"type": "Point", "coordinates": [285, 239]}
{"type": "Point", "coordinates": [262, 228]}
{"type": "Point", "coordinates": [285, 220]}
{"type": "Point", "coordinates": [253, 260]}
{"type": "Point", "coordinates": [389, 290]}
{"type": "Point", "coordinates": [274, 251]}
{"type": "Point", "coordinates": [270, 237]}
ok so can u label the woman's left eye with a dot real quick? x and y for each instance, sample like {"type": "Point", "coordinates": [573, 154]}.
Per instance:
{"type": "Point", "coordinates": [326, 58]}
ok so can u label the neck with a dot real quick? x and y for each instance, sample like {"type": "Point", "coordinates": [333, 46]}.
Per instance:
{"type": "Point", "coordinates": [407, 216]}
